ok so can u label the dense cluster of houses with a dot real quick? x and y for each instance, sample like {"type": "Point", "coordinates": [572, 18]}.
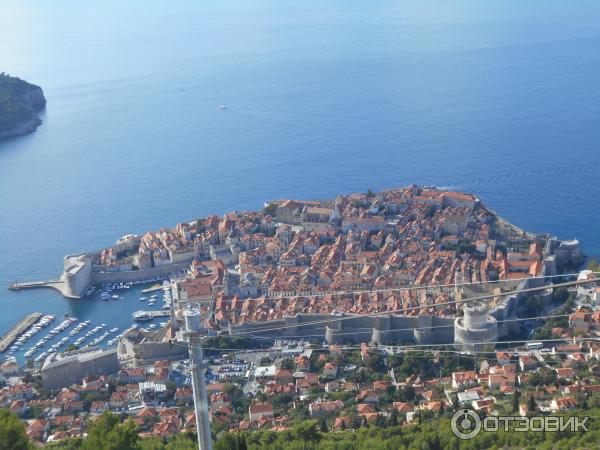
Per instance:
{"type": "Point", "coordinates": [258, 266]}
{"type": "Point", "coordinates": [314, 383]}
{"type": "Point", "coordinates": [553, 381]}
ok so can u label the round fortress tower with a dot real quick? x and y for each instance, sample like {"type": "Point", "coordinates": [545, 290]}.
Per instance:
{"type": "Point", "coordinates": [475, 329]}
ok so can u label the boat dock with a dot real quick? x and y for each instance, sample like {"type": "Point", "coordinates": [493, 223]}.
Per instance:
{"type": "Point", "coordinates": [58, 285]}
{"type": "Point", "coordinates": [150, 315]}
{"type": "Point", "coordinates": [160, 313]}
{"type": "Point", "coordinates": [155, 287]}
{"type": "Point", "coordinates": [18, 329]}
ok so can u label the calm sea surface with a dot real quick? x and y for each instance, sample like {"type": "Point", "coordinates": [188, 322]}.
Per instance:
{"type": "Point", "coordinates": [500, 98]}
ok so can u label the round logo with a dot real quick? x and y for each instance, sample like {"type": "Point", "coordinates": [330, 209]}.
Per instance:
{"type": "Point", "coordinates": [465, 424]}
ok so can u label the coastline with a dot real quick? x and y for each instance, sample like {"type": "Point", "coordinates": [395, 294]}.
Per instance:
{"type": "Point", "coordinates": [21, 101]}
{"type": "Point", "coordinates": [22, 129]}
{"type": "Point", "coordinates": [17, 329]}
{"type": "Point", "coordinates": [81, 271]}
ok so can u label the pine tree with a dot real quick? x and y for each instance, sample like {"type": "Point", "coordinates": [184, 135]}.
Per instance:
{"type": "Point", "coordinates": [323, 426]}
{"type": "Point", "coordinates": [516, 400]}
{"type": "Point", "coordinates": [394, 418]}
{"type": "Point", "coordinates": [531, 404]}
{"type": "Point", "coordinates": [108, 433]}
{"type": "Point", "coordinates": [454, 400]}
{"type": "Point", "coordinates": [12, 432]}
{"type": "Point", "coordinates": [242, 443]}
{"type": "Point", "coordinates": [583, 403]}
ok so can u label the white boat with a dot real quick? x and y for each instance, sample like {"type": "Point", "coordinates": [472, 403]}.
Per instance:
{"type": "Point", "coordinates": [142, 316]}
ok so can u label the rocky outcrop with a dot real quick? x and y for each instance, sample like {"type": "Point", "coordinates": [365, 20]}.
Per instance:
{"type": "Point", "coordinates": [19, 104]}
{"type": "Point", "coordinates": [22, 128]}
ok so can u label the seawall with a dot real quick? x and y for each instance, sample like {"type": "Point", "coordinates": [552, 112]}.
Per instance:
{"type": "Point", "coordinates": [79, 275]}
{"type": "Point", "coordinates": [19, 328]}
{"type": "Point", "coordinates": [356, 329]}
{"type": "Point", "coordinates": [137, 275]}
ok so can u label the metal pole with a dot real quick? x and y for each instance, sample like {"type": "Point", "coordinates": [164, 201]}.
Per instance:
{"type": "Point", "coordinates": [193, 327]}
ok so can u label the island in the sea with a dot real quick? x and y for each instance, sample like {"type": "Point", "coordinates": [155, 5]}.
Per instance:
{"type": "Point", "coordinates": [19, 104]}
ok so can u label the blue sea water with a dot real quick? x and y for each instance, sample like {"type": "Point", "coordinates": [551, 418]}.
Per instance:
{"type": "Point", "coordinates": [494, 97]}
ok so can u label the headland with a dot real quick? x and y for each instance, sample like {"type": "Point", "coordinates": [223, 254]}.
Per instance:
{"type": "Point", "coordinates": [411, 236]}
{"type": "Point", "coordinates": [19, 104]}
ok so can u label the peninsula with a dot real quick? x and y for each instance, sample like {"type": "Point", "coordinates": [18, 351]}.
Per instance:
{"type": "Point", "coordinates": [19, 104]}
{"type": "Point", "coordinates": [410, 236]}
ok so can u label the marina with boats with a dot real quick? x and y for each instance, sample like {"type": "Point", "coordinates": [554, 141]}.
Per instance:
{"type": "Point", "coordinates": [19, 328]}
{"type": "Point", "coordinates": [120, 304]}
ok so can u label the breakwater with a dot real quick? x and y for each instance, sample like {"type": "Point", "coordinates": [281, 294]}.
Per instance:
{"type": "Point", "coordinates": [58, 285]}
{"type": "Point", "coordinates": [19, 328]}
{"type": "Point", "coordinates": [80, 274]}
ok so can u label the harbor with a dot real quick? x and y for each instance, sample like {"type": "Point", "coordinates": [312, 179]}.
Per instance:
{"type": "Point", "coordinates": [153, 288]}
{"type": "Point", "coordinates": [19, 328]}
{"type": "Point", "coordinates": [58, 285]}
{"type": "Point", "coordinates": [102, 316]}
{"type": "Point", "coordinates": [149, 315]}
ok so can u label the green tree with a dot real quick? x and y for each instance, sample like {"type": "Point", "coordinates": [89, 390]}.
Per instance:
{"type": "Point", "coordinates": [281, 400]}
{"type": "Point", "coordinates": [108, 433]}
{"type": "Point", "coordinates": [516, 400]}
{"type": "Point", "coordinates": [454, 400]}
{"type": "Point", "coordinates": [183, 441]}
{"type": "Point", "coordinates": [152, 444]}
{"type": "Point", "coordinates": [12, 432]}
{"type": "Point", "coordinates": [531, 404]}
{"type": "Point", "coordinates": [406, 394]}
{"type": "Point", "coordinates": [561, 294]}
{"type": "Point", "coordinates": [374, 362]}
{"type": "Point", "coordinates": [306, 432]}
{"type": "Point", "coordinates": [171, 389]}
{"type": "Point", "coordinates": [594, 400]}
{"type": "Point", "coordinates": [393, 421]}
{"type": "Point", "coordinates": [594, 266]}
{"type": "Point", "coordinates": [227, 441]}
{"type": "Point", "coordinates": [241, 442]}
{"type": "Point", "coordinates": [287, 364]}
{"type": "Point", "coordinates": [323, 428]}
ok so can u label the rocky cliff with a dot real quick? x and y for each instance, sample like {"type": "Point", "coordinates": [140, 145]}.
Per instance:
{"type": "Point", "coordinates": [19, 103]}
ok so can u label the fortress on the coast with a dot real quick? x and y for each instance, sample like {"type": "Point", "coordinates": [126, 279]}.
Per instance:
{"type": "Point", "coordinates": [479, 324]}
{"type": "Point", "coordinates": [340, 270]}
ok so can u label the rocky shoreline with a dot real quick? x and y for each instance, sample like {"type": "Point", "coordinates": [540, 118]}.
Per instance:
{"type": "Point", "coordinates": [19, 104]}
{"type": "Point", "coordinates": [22, 129]}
